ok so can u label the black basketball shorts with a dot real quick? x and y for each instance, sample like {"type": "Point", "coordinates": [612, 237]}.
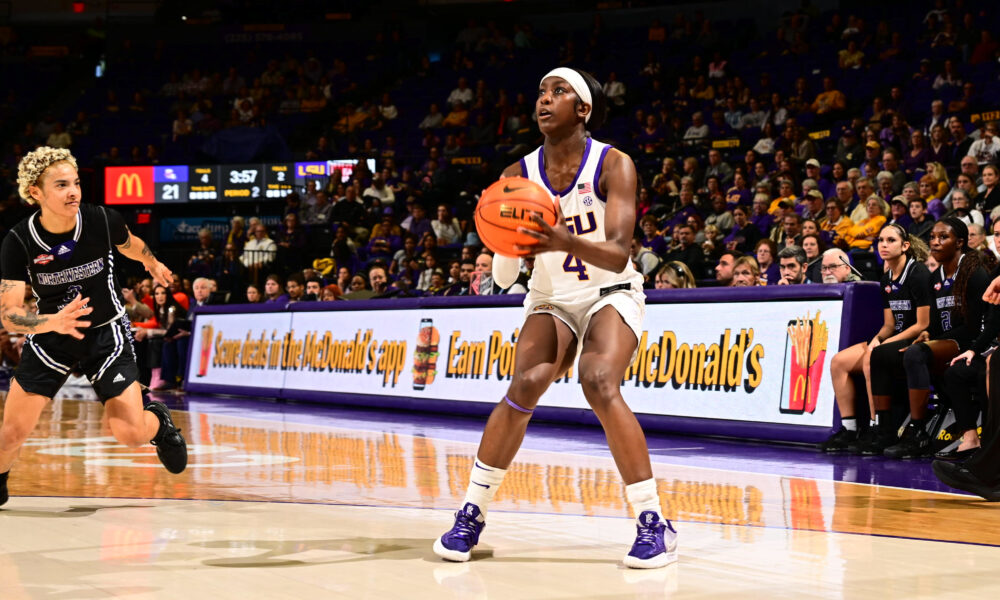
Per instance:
{"type": "Point", "coordinates": [104, 355]}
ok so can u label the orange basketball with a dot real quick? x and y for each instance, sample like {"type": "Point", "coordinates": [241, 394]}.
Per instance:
{"type": "Point", "coordinates": [508, 204]}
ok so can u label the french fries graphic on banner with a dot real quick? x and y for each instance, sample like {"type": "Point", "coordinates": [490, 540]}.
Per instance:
{"type": "Point", "coordinates": [807, 342]}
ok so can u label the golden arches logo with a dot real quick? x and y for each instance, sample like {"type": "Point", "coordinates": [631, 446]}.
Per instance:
{"type": "Point", "coordinates": [131, 182]}
{"type": "Point", "coordinates": [801, 387]}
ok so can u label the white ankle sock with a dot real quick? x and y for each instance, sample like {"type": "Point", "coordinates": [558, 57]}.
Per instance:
{"type": "Point", "coordinates": [642, 496]}
{"type": "Point", "coordinates": [849, 423]}
{"type": "Point", "coordinates": [483, 484]}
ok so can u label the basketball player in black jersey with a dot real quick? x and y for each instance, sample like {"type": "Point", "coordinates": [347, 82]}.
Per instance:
{"type": "Point", "coordinates": [906, 308]}
{"type": "Point", "coordinates": [980, 474]}
{"type": "Point", "coordinates": [957, 311]}
{"type": "Point", "coordinates": [66, 252]}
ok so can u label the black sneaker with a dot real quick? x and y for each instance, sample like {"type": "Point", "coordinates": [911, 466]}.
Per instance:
{"type": "Point", "coordinates": [864, 437]}
{"type": "Point", "coordinates": [170, 444]}
{"type": "Point", "coordinates": [961, 478]}
{"type": "Point", "coordinates": [915, 443]}
{"type": "Point", "coordinates": [876, 442]}
{"type": "Point", "coordinates": [3, 488]}
{"type": "Point", "coordinates": [839, 441]}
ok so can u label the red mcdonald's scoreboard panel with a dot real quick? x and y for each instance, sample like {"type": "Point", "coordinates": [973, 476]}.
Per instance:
{"type": "Point", "coordinates": [129, 185]}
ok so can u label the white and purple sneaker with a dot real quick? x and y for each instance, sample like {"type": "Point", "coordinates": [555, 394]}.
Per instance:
{"type": "Point", "coordinates": [456, 545]}
{"type": "Point", "coordinates": [655, 543]}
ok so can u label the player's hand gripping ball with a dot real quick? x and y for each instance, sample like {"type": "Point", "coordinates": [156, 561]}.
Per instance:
{"type": "Point", "coordinates": [508, 204]}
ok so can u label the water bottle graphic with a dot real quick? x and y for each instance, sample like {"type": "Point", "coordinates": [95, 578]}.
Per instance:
{"type": "Point", "coordinates": [425, 355]}
{"type": "Point", "coordinates": [207, 331]}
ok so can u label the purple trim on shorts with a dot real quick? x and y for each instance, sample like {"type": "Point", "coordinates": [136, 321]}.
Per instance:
{"type": "Point", "coordinates": [516, 406]}
{"type": "Point", "coordinates": [545, 178]}
{"type": "Point", "coordinates": [597, 175]}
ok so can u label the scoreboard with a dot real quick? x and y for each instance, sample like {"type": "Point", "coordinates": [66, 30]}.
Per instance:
{"type": "Point", "coordinates": [218, 183]}
{"type": "Point", "coordinates": [171, 183]}
{"type": "Point", "coordinates": [279, 180]}
{"type": "Point", "coordinates": [204, 184]}
{"type": "Point", "coordinates": [242, 182]}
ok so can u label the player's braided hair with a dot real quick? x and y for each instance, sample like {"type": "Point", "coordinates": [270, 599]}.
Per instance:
{"type": "Point", "coordinates": [971, 261]}
{"type": "Point", "coordinates": [31, 167]}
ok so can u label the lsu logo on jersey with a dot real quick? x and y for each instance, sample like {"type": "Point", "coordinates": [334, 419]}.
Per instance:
{"type": "Point", "coordinates": [575, 224]}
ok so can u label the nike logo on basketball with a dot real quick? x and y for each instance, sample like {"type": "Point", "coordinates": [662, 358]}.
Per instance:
{"type": "Point", "coordinates": [118, 378]}
{"type": "Point", "coordinates": [507, 189]}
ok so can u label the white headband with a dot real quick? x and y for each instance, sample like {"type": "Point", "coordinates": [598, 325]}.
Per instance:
{"type": "Point", "coordinates": [577, 82]}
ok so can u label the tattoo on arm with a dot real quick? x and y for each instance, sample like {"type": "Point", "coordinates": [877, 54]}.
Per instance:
{"type": "Point", "coordinates": [6, 285]}
{"type": "Point", "coordinates": [129, 249]}
{"type": "Point", "coordinates": [26, 321]}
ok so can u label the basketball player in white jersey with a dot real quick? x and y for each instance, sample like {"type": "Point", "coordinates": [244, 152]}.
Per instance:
{"type": "Point", "coordinates": [584, 297]}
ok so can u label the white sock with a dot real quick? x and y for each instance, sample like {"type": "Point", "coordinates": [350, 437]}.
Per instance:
{"type": "Point", "coordinates": [849, 423]}
{"type": "Point", "coordinates": [642, 496]}
{"type": "Point", "coordinates": [484, 481]}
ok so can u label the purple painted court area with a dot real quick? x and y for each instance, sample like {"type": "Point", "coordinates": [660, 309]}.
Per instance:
{"type": "Point", "coordinates": [754, 457]}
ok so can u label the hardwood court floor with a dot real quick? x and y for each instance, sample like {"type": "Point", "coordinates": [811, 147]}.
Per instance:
{"type": "Point", "coordinates": [303, 503]}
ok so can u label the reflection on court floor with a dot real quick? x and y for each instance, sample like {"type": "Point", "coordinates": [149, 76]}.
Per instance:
{"type": "Point", "coordinates": [346, 507]}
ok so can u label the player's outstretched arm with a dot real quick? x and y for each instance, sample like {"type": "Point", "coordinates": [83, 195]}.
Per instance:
{"type": "Point", "coordinates": [17, 319]}
{"type": "Point", "coordinates": [137, 250]}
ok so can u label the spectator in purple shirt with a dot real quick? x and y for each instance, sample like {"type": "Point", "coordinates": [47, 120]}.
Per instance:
{"type": "Point", "coordinates": [744, 235]}
{"type": "Point", "coordinates": [682, 211]}
{"type": "Point", "coordinates": [766, 252]}
{"type": "Point", "coordinates": [739, 193]}
{"type": "Point", "coordinates": [759, 215]}
{"type": "Point", "coordinates": [420, 224]}
{"type": "Point", "coordinates": [651, 237]}
{"type": "Point", "coordinates": [826, 186]}
{"type": "Point", "coordinates": [915, 159]}
{"type": "Point", "coordinates": [273, 288]}
{"type": "Point", "coordinates": [651, 136]}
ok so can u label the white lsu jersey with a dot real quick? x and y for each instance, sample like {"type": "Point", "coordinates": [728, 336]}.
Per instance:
{"type": "Point", "coordinates": [562, 277]}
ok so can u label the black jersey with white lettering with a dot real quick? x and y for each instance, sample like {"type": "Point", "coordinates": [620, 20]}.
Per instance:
{"type": "Point", "coordinates": [902, 295]}
{"type": "Point", "coordinates": [60, 266]}
{"type": "Point", "coordinates": [946, 320]}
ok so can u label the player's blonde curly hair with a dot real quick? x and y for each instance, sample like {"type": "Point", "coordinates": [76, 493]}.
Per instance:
{"type": "Point", "coordinates": [34, 164]}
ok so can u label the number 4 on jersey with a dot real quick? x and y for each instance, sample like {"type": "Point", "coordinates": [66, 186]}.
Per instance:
{"type": "Point", "coordinates": [573, 264]}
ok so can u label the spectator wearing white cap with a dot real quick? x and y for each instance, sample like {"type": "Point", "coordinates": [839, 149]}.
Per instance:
{"type": "Point", "coordinates": [813, 172]}
{"type": "Point", "coordinates": [813, 206]}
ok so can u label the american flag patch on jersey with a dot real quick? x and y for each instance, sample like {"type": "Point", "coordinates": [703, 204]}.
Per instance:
{"type": "Point", "coordinates": [584, 188]}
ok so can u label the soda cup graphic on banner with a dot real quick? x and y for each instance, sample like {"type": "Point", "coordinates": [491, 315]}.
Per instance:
{"type": "Point", "coordinates": [425, 355]}
{"type": "Point", "coordinates": [207, 331]}
{"type": "Point", "coordinates": [805, 354]}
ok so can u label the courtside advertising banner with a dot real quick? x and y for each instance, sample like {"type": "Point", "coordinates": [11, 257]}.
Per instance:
{"type": "Point", "coordinates": [217, 357]}
{"type": "Point", "coordinates": [705, 360]}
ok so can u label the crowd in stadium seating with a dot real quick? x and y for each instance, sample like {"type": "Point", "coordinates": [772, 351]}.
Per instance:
{"type": "Point", "coordinates": [764, 159]}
